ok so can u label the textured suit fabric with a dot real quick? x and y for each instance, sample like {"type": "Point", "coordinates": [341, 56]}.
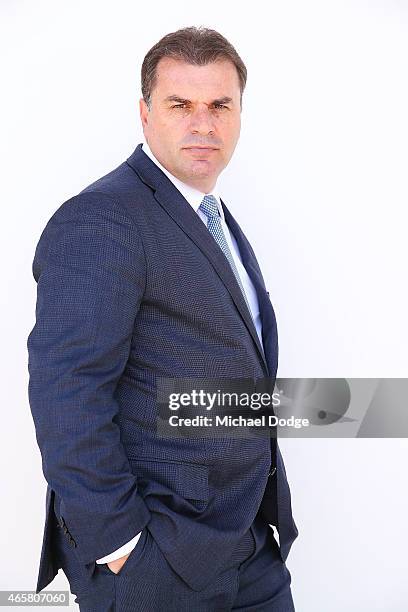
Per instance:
{"type": "Point", "coordinates": [117, 308]}
{"type": "Point", "coordinates": [254, 579]}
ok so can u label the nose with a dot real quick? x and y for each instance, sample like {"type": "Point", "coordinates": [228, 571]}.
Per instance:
{"type": "Point", "coordinates": [201, 120]}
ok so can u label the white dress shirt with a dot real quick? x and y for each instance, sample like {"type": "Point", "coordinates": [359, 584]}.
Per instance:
{"type": "Point", "coordinates": [195, 197]}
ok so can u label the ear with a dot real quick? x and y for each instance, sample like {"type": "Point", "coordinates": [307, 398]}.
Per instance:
{"type": "Point", "coordinates": [144, 112]}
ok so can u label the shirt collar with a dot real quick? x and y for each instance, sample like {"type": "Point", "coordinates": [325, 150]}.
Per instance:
{"type": "Point", "coordinates": [193, 196]}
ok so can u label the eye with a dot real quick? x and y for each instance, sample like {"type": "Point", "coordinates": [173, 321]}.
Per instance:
{"type": "Point", "coordinates": [217, 106]}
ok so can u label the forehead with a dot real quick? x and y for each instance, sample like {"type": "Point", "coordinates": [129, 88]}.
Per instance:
{"type": "Point", "coordinates": [184, 79]}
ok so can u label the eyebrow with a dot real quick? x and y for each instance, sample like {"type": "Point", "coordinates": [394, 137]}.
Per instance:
{"type": "Point", "coordinates": [173, 98]}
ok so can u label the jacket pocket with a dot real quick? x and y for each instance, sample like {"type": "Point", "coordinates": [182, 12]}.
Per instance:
{"type": "Point", "coordinates": [163, 477]}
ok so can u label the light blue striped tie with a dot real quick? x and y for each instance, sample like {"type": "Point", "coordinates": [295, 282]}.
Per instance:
{"type": "Point", "coordinates": [209, 206]}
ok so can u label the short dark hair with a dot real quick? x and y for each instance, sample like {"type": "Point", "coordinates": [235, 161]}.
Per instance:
{"type": "Point", "coordinates": [195, 45]}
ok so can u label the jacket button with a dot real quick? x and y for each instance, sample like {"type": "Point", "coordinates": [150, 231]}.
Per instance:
{"type": "Point", "coordinates": [72, 542]}
{"type": "Point", "coordinates": [272, 471]}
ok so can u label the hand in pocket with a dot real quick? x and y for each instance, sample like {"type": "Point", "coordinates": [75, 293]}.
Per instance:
{"type": "Point", "coordinates": [116, 566]}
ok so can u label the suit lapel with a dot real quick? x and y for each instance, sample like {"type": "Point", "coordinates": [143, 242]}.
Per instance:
{"type": "Point", "coordinates": [169, 197]}
{"type": "Point", "coordinates": [268, 319]}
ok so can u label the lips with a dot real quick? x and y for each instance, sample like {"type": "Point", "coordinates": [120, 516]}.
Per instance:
{"type": "Point", "coordinates": [200, 149]}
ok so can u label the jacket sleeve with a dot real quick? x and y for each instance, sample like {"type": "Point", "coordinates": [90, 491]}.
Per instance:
{"type": "Point", "coordinates": [90, 270]}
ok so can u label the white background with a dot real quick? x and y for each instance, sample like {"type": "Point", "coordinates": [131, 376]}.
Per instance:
{"type": "Point", "coordinates": [319, 184]}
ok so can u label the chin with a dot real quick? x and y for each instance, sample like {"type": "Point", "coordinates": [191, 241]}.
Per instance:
{"type": "Point", "coordinates": [201, 173]}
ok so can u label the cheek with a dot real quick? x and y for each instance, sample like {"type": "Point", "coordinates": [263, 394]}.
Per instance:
{"type": "Point", "coordinates": [231, 127]}
{"type": "Point", "coordinates": [231, 136]}
{"type": "Point", "coordinates": [168, 135]}
{"type": "Point", "coordinates": [174, 129]}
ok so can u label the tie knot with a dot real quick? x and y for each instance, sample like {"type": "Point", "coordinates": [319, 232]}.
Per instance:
{"type": "Point", "coordinates": [209, 206]}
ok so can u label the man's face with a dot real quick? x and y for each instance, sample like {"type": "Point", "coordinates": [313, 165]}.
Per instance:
{"type": "Point", "coordinates": [195, 118]}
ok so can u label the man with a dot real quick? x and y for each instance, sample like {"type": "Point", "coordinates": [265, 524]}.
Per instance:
{"type": "Point", "coordinates": [145, 274]}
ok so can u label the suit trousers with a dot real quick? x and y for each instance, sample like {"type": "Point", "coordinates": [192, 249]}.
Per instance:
{"type": "Point", "coordinates": [255, 579]}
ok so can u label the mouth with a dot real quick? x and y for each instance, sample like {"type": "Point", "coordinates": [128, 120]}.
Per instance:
{"type": "Point", "coordinates": [200, 150]}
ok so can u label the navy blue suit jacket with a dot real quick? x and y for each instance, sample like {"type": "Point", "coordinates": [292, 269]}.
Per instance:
{"type": "Point", "coordinates": [132, 286]}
